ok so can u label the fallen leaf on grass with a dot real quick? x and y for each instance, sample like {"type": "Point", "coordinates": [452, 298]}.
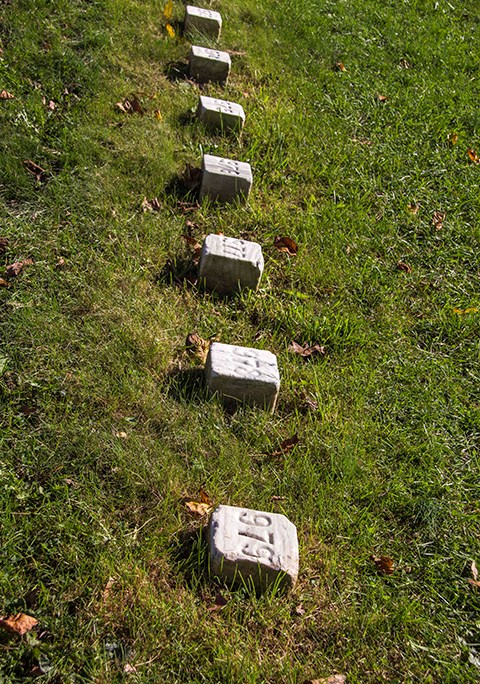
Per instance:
{"type": "Point", "coordinates": [413, 208]}
{"type": "Point", "coordinates": [474, 570]}
{"type": "Point", "coordinates": [404, 64]}
{"type": "Point", "coordinates": [151, 205]}
{"type": "Point", "coordinates": [168, 9]}
{"type": "Point", "coordinates": [220, 603]}
{"type": "Point", "coordinates": [187, 207]}
{"type": "Point", "coordinates": [130, 105]}
{"type": "Point", "coordinates": [470, 309]}
{"type": "Point", "coordinates": [36, 170]}
{"type": "Point", "coordinates": [438, 219]}
{"type": "Point", "coordinates": [4, 283]}
{"type": "Point", "coordinates": [158, 115]}
{"type": "Point", "coordinates": [197, 346]}
{"type": "Point", "coordinates": [402, 266]}
{"type": "Point", "coordinates": [108, 588]}
{"type": "Point", "coordinates": [384, 564]}
{"type": "Point", "coordinates": [51, 105]}
{"type": "Point", "coordinates": [333, 679]}
{"type": "Point", "coordinates": [286, 446]}
{"type": "Point", "coordinates": [339, 66]}
{"type": "Point", "coordinates": [170, 30]}
{"type": "Point", "coordinates": [4, 95]}
{"type": "Point", "coordinates": [382, 98]}
{"type": "Point", "coordinates": [307, 350]}
{"type": "Point", "coordinates": [473, 156]}
{"type": "Point", "coordinates": [129, 669]}
{"type": "Point", "coordinates": [286, 244]}
{"type": "Point", "coordinates": [19, 624]}
{"type": "Point", "coordinates": [60, 263]}
{"type": "Point", "coordinates": [17, 267]}
{"type": "Point", "coordinates": [452, 138]}
{"type": "Point", "coordinates": [3, 245]}
{"type": "Point", "coordinates": [202, 507]}
{"type": "Point", "coordinates": [362, 141]}
{"type": "Point", "coordinates": [191, 226]}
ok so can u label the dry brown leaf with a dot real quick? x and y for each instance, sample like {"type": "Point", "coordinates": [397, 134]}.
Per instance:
{"type": "Point", "coordinates": [402, 266]}
{"type": "Point", "coordinates": [287, 445]}
{"type": "Point", "coordinates": [438, 219]}
{"type": "Point", "coordinates": [382, 98]}
{"type": "Point", "coordinates": [129, 669]}
{"type": "Point", "coordinates": [4, 283]}
{"type": "Point", "coordinates": [362, 141]}
{"type": "Point", "coordinates": [4, 95]}
{"type": "Point", "coordinates": [384, 564]}
{"type": "Point", "coordinates": [187, 207]}
{"type": "Point", "coordinates": [473, 156]}
{"type": "Point", "coordinates": [51, 105]}
{"type": "Point", "coordinates": [474, 570]}
{"type": "Point", "coordinates": [279, 498]}
{"type": "Point", "coordinates": [191, 226]}
{"type": "Point", "coordinates": [151, 205]}
{"type": "Point", "coordinates": [108, 588]}
{"type": "Point", "coordinates": [307, 350]}
{"type": "Point", "coordinates": [204, 497]}
{"type": "Point", "coordinates": [158, 115]}
{"type": "Point", "coordinates": [3, 245]}
{"type": "Point", "coordinates": [286, 244]}
{"type": "Point", "coordinates": [198, 508]}
{"type": "Point", "coordinates": [60, 263]}
{"type": "Point", "coordinates": [413, 208]}
{"type": "Point", "coordinates": [19, 624]}
{"type": "Point", "coordinates": [36, 170]}
{"type": "Point", "coordinates": [220, 603]}
{"type": "Point", "coordinates": [17, 267]}
{"type": "Point", "coordinates": [453, 138]}
{"type": "Point", "coordinates": [130, 105]}
{"type": "Point", "coordinates": [339, 66]}
{"type": "Point", "coordinates": [404, 64]}
{"type": "Point", "coordinates": [474, 583]}
{"type": "Point", "coordinates": [333, 679]}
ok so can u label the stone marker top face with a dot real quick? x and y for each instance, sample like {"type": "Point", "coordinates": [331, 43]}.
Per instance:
{"type": "Point", "coordinates": [204, 13]}
{"type": "Point", "coordinates": [231, 248]}
{"type": "Point", "coordinates": [228, 360]}
{"type": "Point", "coordinates": [227, 167]}
{"type": "Point", "coordinates": [209, 53]}
{"type": "Point", "coordinates": [247, 538]}
{"type": "Point", "coordinates": [222, 106]}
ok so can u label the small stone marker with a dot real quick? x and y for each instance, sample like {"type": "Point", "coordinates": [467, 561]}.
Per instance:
{"type": "Point", "coordinates": [245, 543]}
{"type": "Point", "coordinates": [202, 20]}
{"type": "Point", "coordinates": [209, 65]}
{"type": "Point", "coordinates": [220, 113]}
{"type": "Point", "coordinates": [227, 264]}
{"type": "Point", "coordinates": [226, 180]}
{"type": "Point", "coordinates": [244, 374]}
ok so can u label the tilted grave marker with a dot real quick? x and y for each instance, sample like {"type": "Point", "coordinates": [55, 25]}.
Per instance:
{"type": "Point", "coordinates": [202, 20]}
{"type": "Point", "coordinates": [209, 65]}
{"type": "Point", "coordinates": [221, 114]}
{"type": "Point", "coordinates": [226, 180]}
{"type": "Point", "coordinates": [227, 264]}
{"type": "Point", "coordinates": [243, 374]}
{"type": "Point", "coordinates": [246, 544]}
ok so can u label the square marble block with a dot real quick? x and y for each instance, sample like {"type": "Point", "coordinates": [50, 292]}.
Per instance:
{"type": "Point", "coordinates": [243, 374]}
{"type": "Point", "coordinates": [252, 544]}
{"type": "Point", "coordinates": [202, 20]}
{"type": "Point", "coordinates": [220, 113]}
{"type": "Point", "coordinates": [209, 65]}
{"type": "Point", "coordinates": [225, 180]}
{"type": "Point", "coordinates": [227, 264]}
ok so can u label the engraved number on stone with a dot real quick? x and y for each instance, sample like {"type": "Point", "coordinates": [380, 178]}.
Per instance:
{"type": "Point", "coordinates": [212, 54]}
{"type": "Point", "coordinates": [228, 166]}
{"type": "Point", "coordinates": [255, 519]}
{"type": "Point", "coordinates": [258, 551]}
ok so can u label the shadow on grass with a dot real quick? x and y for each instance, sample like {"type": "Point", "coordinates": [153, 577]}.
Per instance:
{"type": "Point", "coordinates": [188, 552]}
{"type": "Point", "coordinates": [177, 71]}
{"type": "Point", "coordinates": [178, 271]}
{"type": "Point", "coordinates": [187, 385]}
{"type": "Point", "coordinates": [186, 186]}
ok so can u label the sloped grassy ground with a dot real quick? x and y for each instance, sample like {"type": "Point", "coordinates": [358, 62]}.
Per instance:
{"type": "Point", "coordinates": [105, 421]}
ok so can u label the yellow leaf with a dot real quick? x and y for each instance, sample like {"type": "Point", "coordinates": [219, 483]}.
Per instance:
{"type": "Point", "coordinates": [198, 508]}
{"type": "Point", "coordinates": [170, 31]}
{"type": "Point", "coordinates": [158, 114]}
{"type": "Point", "coordinates": [453, 138]}
{"type": "Point", "coordinates": [473, 156]}
{"type": "Point", "coordinates": [168, 9]}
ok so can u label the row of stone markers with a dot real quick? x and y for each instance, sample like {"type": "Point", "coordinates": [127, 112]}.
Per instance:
{"type": "Point", "coordinates": [245, 545]}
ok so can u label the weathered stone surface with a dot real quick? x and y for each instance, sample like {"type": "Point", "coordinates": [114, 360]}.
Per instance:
{"type": "Point", "coordinates": [225, 180]}
{"type": "Point", "coordinates": [253, 544]}
{"type": "Point", "coordinates": [244, 374]}
{"type": "Point", "coordinates": [220, 113]}
{"type": "Point", "coordinates": [209, 65]}
{"type": "Point", "coordinates": [202, 20]}
{"type": "Point", "coordinates": [227, 264]}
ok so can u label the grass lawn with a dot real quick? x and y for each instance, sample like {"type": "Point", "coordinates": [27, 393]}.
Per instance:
{"type": "Point", "coordinates": [360, 115]}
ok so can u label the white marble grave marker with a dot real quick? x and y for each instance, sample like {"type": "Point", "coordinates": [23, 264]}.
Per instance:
{"type": "Point", "coordinates": [226, 180]}
{"type": "Point", "coordinates": [202, 20]}
{"type": "Point", "coordinates": [228, 264]}
{"type": "Point", "coordinates": [220, 113]}
{"type": "Point", "coordinates": [209, 65]}
{"type": "Point", "coordinates": [243, 374]}
{"type": "Point", "coordinates": [253, 544]}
